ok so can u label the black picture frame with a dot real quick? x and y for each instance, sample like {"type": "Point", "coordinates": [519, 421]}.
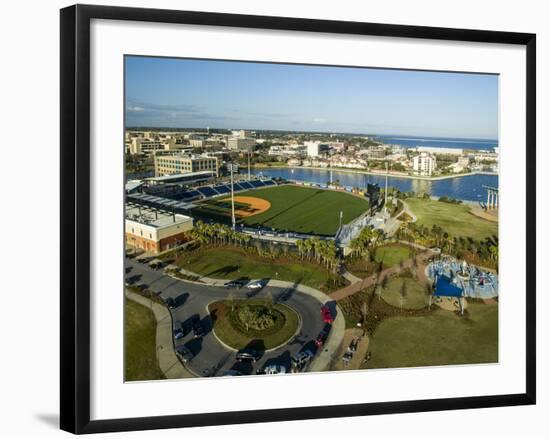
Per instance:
{"type": "Point", "coordinates": [75, 217]}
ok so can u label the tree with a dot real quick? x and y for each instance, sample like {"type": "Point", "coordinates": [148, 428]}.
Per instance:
{"type": "Point", "coordinates": [378, 291]}
{"type": "Point", "coordinates": [231, 299]}
{"type": "Point", "coordinates": [403, 293]}
{"type": "Point", "coordinates": [364, 311]}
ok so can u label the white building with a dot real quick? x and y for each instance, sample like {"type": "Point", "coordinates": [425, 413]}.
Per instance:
{"type": "Point", "coordinates": [424, 164]}
{"type": "Point", "coordinates": [316, 149]}
{"type": "Point", "coordinates": [142, 145]}
{"type": "Point", "coordinates": [438, 150]}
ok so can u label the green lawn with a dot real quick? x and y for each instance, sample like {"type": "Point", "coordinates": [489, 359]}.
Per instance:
{"type": "Point", "coordinates": [230, 263]}
{"type": "Point", "coordinates": [455, 219]}
{"type": "Point", "coordinates": [389, 255]}
{"type": "Point", "coordinates": [415, 296]}
{"type": "Point", "coordinates": [440, 338]}
{"type": "Point", "coordinates": [230, 330]}
{"type": "Point", "coordinates": [296, 209]}
{"type": "Point", "coordinates": [140, 358]}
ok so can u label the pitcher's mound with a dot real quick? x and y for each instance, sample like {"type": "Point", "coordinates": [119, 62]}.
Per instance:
{"type": "Point", "coordinates": [249, 206]}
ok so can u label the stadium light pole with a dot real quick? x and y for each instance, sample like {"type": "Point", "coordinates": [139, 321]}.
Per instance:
{"type": "Point", "coordinates": [386, 192]}
{"type": "Point", "coordinates": [232, 199]}
{"type": "Point", "coordinates": [248, 165]}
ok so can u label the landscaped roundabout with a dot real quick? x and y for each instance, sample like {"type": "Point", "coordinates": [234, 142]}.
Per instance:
{"type": "Point", "coordinates": [254, 323]}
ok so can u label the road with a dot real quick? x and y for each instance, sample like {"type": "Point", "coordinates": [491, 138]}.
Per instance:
{"type": "Point", "coordinates": [212, 358]}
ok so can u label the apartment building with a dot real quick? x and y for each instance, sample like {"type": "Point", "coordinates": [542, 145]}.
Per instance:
{"type": "Point", "coordinates": [424, 164]}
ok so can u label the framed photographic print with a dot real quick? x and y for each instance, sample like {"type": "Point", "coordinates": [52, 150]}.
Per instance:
{"type": "Point", "coordinates": [268, 218]}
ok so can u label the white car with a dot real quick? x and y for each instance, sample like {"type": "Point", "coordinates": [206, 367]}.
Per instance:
{"type": "Point", "coordinates": [255, 285]}
{"type": "Point", "coordinates": [274, 370]}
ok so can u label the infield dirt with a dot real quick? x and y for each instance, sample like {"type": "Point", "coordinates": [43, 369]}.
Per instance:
{"type": "Point", "coordinates": [254, 206]}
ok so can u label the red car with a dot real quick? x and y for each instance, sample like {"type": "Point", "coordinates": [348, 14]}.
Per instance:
{"type": "Point", "coordinates": [326, 314]}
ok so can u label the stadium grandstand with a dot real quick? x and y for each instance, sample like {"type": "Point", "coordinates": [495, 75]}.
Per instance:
{"type": "Point", "coordinates": [180, 199]}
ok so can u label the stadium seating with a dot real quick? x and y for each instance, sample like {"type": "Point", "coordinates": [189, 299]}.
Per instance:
{"type": "Point", "coordinates": [256, 183]}
{"type": "Point", "coordinates": [246, 185]}
{"type": "Point", "coordinates": [207, 191]}
{"type": "Point", "coordinates": [222, 189]}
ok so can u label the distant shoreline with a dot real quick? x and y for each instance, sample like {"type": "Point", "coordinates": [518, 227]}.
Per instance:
{"type": "Point", "coordinates": [379, 174]}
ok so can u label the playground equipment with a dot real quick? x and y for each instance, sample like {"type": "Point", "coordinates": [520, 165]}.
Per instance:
{"type": "Point", "coordinates": [452, 278]}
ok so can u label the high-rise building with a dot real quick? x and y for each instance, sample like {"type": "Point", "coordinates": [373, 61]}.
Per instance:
{"type": "Point", "coordinates": [424, 164]}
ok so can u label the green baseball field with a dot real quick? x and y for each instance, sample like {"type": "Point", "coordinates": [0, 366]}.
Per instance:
{"type": "Point", "coordinates": [288, 208]}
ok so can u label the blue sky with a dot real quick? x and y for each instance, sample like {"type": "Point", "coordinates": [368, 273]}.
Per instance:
{"type": "Point", "coordinates": [166, 92]}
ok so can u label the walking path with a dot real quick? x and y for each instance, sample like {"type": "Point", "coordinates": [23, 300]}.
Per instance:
{"type": "Point", "coordinates": [367, 282]}
{"type": "Point", "coordinates": [350, 276]}
{"type": "Point", "coordinates": [409, 212]}
{"type": "Point", "coordinates": [168, 362]}
{"type": "Point", "coordinates": [336, 335]}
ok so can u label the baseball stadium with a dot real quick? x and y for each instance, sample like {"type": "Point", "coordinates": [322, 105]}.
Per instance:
{"type": "Point", "coordinates": [286, 208]}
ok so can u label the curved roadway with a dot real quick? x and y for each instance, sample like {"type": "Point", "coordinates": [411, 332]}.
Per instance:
{"type": "Point", "coordinates": [212, 358]}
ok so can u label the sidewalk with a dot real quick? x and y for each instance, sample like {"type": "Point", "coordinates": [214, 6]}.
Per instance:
{"type": "Point", "coordinates": [371, 280]}
{"type": "Point", "coordinates": [168, 362]}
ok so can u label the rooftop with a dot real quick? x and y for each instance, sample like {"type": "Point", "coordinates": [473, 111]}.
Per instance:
{"type": "Point", "coordinates": [153, 217]}
{"type": "Point", "coordinates": [176, 177]}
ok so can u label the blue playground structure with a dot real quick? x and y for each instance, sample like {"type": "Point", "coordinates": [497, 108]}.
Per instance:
{"type": "Point", "coordinates": [452, 278]}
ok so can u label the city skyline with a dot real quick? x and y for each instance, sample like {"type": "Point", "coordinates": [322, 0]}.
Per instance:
{"type": "Point", "coordinates": [178, 93]}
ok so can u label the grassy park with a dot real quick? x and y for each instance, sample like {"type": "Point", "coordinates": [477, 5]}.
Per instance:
{"type": "Point", "coordinates": [389, 255]}
{"type": "Point", "coordinates": [294, 208]}
{"type": "Point", "coordinates": [229, 263]}
{"type": "Point", "coordinates": [456, 219]}
{"type": "Point", "coordinates": [406, 293]}
{"type": "Point", "coordinates": [258, 323]}
{"type": "Point", "coordinates": [439, 338]}
{"type": "Point", "coordinates": [140, 358]}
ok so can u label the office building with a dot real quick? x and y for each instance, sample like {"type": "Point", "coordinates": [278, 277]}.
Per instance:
{"type": "Point", "coordinates": [241, 143]}
{"type": "Point", "coordinates": [184, 163]}
{"type": "Point", "coordinates": [148, 146]}
{"type": "Point", "coordinates": [316, 149]}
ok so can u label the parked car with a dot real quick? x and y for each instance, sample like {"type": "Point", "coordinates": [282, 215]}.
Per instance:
{"type": "Point", "coordinates": [178, 332]}
{"type": "Point", "coordinates": [326, 313]}
{"type": "Point", "coordinates": [347, 356]}
{"type": "Point", "coordinates": [301, 359]}
{"type": "Point", "coordinates": [274, 369]}
{"type": "Point", "coordinates": [255, 285]}
{"type": "Point", "coordinates": [323, 335]}
{"type": "Point", "coordinates": [198, 330]}
{"type": "Point", "coordinates": [237, 283]}
{"type": "Point", "coordinates": [184, 353]}
{"type": "Point", "coordinates": [248, 355]}
{"type": "Point", "coordinates": [170, 303]}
